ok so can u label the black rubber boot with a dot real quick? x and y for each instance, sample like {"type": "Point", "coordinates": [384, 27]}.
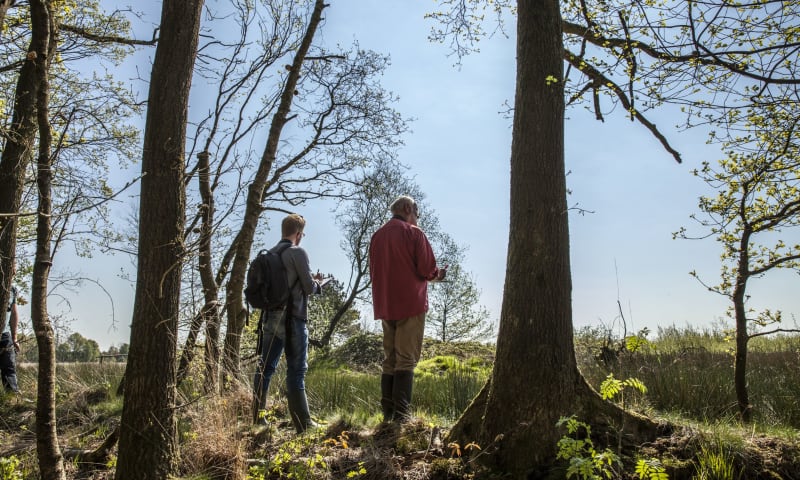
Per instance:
{"type": "Point", "coordinates": [10, 383]}
{"type": "Point", "coordinates": [401, 394]}
{"type": "Point", "coordinates": [298, 410]}
{"type": "Point", "coordinates": [387, 402]}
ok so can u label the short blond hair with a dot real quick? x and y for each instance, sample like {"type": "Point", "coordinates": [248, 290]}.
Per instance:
{"type": "Point", "coordinates": [399, 204]}
{"type": "Point", "coordinates": [292, 224]}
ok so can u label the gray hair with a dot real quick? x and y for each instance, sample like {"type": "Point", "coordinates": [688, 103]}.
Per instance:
{"type": "Point", "coordinates": [400, 203]}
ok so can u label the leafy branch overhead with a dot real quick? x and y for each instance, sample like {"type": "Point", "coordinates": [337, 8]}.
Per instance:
{"type": "Point", "coordinates": [710, 58]}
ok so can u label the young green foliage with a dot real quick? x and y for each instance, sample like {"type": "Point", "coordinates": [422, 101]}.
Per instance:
{"type": "Point", "coordinates": [611, 387]}
{"type": "Point", "coordinates": [9, 468]}
{"type": "Point", "coordinates": [584, 460]}
{"type": "Point", "coordinates": [651, 469]}
{"type": "Point", "coordinates": [754, 216]}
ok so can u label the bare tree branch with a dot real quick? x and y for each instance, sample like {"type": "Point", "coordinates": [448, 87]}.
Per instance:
{"type": "Point", "coordinates": [108, 38]}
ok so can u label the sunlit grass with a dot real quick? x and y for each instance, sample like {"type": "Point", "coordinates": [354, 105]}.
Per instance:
{"type": "Point", "coordinates": [444, 394]}
{"type": "Point", "coordinates": [689, 380]}
{"type": "Point", "coordinates": [692, 375]}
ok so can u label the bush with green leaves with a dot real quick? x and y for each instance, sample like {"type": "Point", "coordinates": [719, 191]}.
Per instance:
{"type": "Point", "coordinates": [9, 468]}
{"type": "Point", "coordinates": [585, 461]}
{"type": "Point", "coordinates": [578, 449]}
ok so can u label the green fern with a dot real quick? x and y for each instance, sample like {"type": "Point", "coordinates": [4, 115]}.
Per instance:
{"type": "Point", "coordinates": [612, 387]}
{"type": "Point", "coordinates": [587, 463]}
{"type": "Point", "coordinates": [651, 469]}
{"type": "Point", "coordinates": [577, 447]}
{"type": "Point", "coordinates": [635, 383]}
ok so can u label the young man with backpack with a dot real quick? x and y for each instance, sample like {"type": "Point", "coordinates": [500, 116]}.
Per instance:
{"type": "Point", "coordinates": [283, 327]}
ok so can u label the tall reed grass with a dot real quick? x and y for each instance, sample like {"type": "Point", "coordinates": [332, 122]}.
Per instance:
{"type": "Point", "coordinates": [690, 373]}
{"type": "Point", "coordinates": [687, 373]}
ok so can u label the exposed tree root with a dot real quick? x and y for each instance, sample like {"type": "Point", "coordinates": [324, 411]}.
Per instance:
{"type": "Point", "coordinates": [623, 431]}
{"type": "Point", "coordinates": [96, 459]}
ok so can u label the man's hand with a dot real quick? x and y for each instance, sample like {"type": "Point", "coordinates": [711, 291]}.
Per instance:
{"type": "Point", "coordinates": [442, 273]}
{"type": "Point", "coordinates": [16, 346]}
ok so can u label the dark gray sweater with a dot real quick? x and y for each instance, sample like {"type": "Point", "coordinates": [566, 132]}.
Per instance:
{"type": "Point", "coordinates": [301, 285]}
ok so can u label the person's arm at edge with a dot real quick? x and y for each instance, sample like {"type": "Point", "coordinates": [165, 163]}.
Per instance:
{"type": "Point", "coordinates": [13, 322]}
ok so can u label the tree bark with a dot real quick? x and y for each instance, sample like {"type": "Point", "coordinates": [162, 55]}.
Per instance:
{"type": "Point", "coordinates": [209, 314]}
{"type": "Point", "coordinates": [236, 313]}
{"type": "Point", "coordinates": [148, 433]}
{"type": "Point", "coordinates": [189, 349]}
{"type": "Point", "coordinates": [742, 336]}
{"type": "Point", "coordinates": [535, 379]}
{"type": "Point", "coordinates": [210, 311]}
{"type": "Point", "coordinates": [17, 154]}
{"type": "Point", "coordinates": [342, 310]}
{"type": "Point", "coordinates": [51, 461]}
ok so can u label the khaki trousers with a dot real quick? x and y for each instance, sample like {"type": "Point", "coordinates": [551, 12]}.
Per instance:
{"type": "Point", "coordinates": [402, 343]}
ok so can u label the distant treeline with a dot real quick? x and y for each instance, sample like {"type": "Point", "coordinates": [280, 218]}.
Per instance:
{"type": "Point", "coordinates": [76, 348]}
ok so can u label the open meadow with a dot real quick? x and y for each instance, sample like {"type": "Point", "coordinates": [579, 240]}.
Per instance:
{"type": "Point", "coordinates": [685, 381]}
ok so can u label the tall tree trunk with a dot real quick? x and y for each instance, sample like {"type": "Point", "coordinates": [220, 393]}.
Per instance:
{"type": "Point", "coordinates": [535, 379]}
{"type": "Point", "coordinates": [356, 289]}
{"type": "Point", "coordinates": [189, 348]}
{"type": "Point", "coordinates": [236, 313]}
{"type": "Point", "coordinates": [742, 336]}
{"type": "Point", "coordinates": [148, 434]}
{"type": "Point", "coordinates": [209, 314]}
{"type": "Point", "coordinates": [210, 311]}
{"type": "Point", "coordinates": [17, 154]}
{"type": "Point", "coordinates": [51, 462]}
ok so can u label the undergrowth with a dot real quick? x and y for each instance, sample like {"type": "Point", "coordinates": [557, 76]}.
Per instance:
{"type": "Point", "coordinates": [687, 381]}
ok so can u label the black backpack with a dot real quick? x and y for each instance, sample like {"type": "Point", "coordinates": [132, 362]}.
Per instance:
{"type": "Point", "coordinates": [267, 286]}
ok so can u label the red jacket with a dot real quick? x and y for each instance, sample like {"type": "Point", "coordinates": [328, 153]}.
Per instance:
{"type": "Point", "coordinates": [401, 262]}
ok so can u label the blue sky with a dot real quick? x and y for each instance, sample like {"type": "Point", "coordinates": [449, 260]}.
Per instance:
{"type": "Point", "coordinates": [459, 151]}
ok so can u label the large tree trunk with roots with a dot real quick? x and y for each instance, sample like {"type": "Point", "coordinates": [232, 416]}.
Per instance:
{"type": "Point", "coordinates": [535, 379]}
{"type": "Point", "coordinates": [148, 434]}
{"type": "Point", "coordinates": [51, 461]}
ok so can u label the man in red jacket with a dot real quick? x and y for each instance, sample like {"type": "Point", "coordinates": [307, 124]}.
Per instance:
{"type": "Point", "coordinates": [401, 263]}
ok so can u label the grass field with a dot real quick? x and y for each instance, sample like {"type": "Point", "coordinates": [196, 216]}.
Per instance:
{"type": "Point", "coordinates": [688, 375]}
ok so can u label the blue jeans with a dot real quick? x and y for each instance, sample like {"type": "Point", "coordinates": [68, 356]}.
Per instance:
{"type": "Point", "coordinates": [8, 362]}
{"type": "Point", "coordinates": [278, 335]}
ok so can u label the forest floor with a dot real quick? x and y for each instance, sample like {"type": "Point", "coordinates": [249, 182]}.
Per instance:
{"type": "Point", "coordinates": [217, 442]}
{"type": "Point", "coordinates": [413, 451]}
